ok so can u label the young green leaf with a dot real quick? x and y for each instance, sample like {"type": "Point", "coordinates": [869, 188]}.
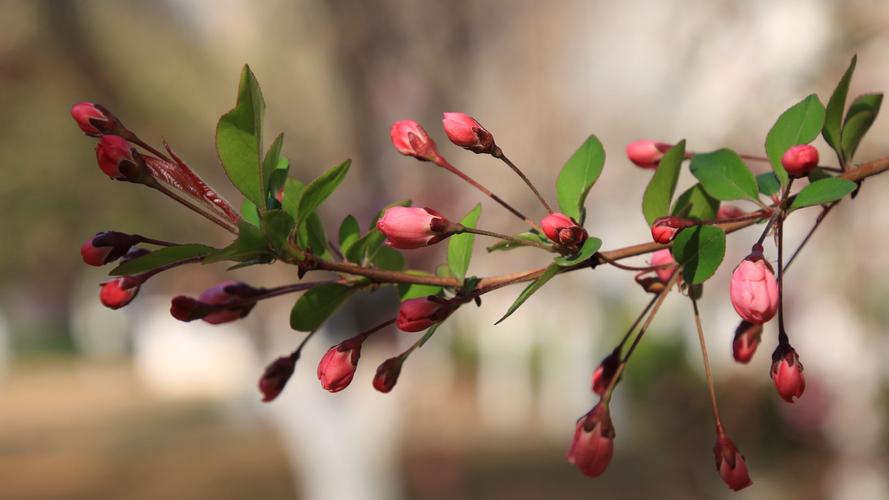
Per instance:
{"type": "Point", "coordinates": [319, 189]}
{"type": "Point", "coordinates": [277, 180]}
{"type": "Point", "coordinates": [250, 244]}
{"type": "Point", "coordinates": [348, 234]}
{"type": "Point", "coordinates": [413, 290]}
{"type": "Point", "coordinates": [249, 212]}
{"type": "Point", "coordinates": [460, 245]}
{"type": "Point", "coordinates": [696, 204]}
{"type": "Point", "coordinates": [269, 166]}
{"type": "Point", "coordinates": [535, 285]}
{"type": "Point", "coordinates": [833, 115]}
{"type": "Point", "coordinates": [862, 113]}
{"type": "Point", "coordinates": [800, 124]}
{"type": "Point", "coordinates": [293, 191]}
{"type": "Point", "coordinates": [724, 175]}
{"type": "Point", "coordinates": [660, 189]}
{"type": "Point", "coordinates": [389, 259]}
{"type": "Point", "coordinates": [768, 183]}
{"type": "Point", "coordinates": [160, 258]}
{"type": "Point", "coordinates": [578, 175]}
{"type": "Point", "coordinates": [818, 173]}
{"type": "Point", "coordinates": [590, 246]}
{"type": "Point", "coordinates": [311, 235]}
{"type": "Point", "coordinates": [316, 305]}
{"type": "Point", "coordinates": [530, 237]}
{"type": "Point", "coordinates": [239, 140]}
{"type": "Point", "coordinates": [277, 224]}
{"type": "Point", "coordinates": [821, 192]}
{"type": "Point", "coordinates": [699, 250]}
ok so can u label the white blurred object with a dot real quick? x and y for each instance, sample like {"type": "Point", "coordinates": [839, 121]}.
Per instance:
{"type": "Point", "coordinates": [97, 331]}
{"type": "Point", "coordinates": [4, 344]}
{"type": "Point", "coordinates": [196, 359]}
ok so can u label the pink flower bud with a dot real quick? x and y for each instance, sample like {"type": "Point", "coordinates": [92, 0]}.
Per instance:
{"type": "Point", "coordinates": [799, 160]}
{"type": "Point", "coordinates": [593, 442]}
{"type": "Point", "coordinates": [95, 120]}
{"type": "Point", "coordinates": [118, 292]}
{"type": "Point", "coordinates": [663, 257]}
{"type": "Point", "coordinates": [754, 290]}
{"type": "Point", "coordinates": [416, 315]}
{"type": "Point", "coordinates": [222, 303]}
{"type": "Point", "coordinates": [645, 153]}
{"type": "Point", "coordinates": [787, 373]}
{"type": "Point", "coordinates": [747, 338]}
{"type": "Point", "coordinates": [106, 247]}
{"type": "Point", "coordinates": [410, 139]}
{"type": "Point", "coordinates": [605, 372]}
{"type": "Point", "coordinates": [730, 464]}
{"type": "Point", "coordinates": [563, 230]}
{"type": "Point", "coordinates": [466, 132]}
{"type": "Point", "coordinates": [412, 227]}
{"type": "Point", "coordinates": [387, 374]}
{"type": "Point", "coordinates": [664, 229]}
{"type": "Point", "coordinates": [729, 211]}
{"type": "Point", "coordinates": [184, 308]}
{"type": "Point", "coordinates": [276, 376]}
{"type": "Point", "coordinates": [337, 367]}
{"type": "Point", "coordinates": [117, 158]}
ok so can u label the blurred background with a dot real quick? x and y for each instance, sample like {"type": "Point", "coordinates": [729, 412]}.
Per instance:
{"type": "Point", "coordinates": [132, 404]}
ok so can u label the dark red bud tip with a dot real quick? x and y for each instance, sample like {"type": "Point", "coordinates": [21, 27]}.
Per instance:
{"type": "Point", "coordinates": [561, 229]}
{"type": "Point", "coordinates": [664, 229]}
{"type": "Point", "coordinates": [106, 247]}
{"type": "Point", "coordinates": [787, 373]}
{"type": "Point", "coordinates": [117, 159]}
{"type": "Point", "coordinates": [605, 372]}
{"type": "Point", "coordinates": [387, 374]}
{"type": "Point", "coordinates": [416, 315]}
{"type": "Point", "coordinates": [800, 160]}
{"type": "Point", "coordinates": [184, 308]}
{"type": "Point", "coordinates": [118, 292]}
{"type": "Point", "coordinates": [730, 464]}
{"type": "Point", "coordinates": [593, 444]}
{"type": "Point", "coordinates": [95, 120]}
{"type": "Point", "coordinates": [275, 377]}
{"type": "Point", "coordinates": [410, 139]}
{"type": "Point", "coordinates": [466, 132]}
{"type": "Point", "coordinates": [747, 338]}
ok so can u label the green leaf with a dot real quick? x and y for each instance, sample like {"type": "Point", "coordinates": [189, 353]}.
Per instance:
{"type": "Point", "coordinates": [800, 124]}
{"type": "Point", "coordinates": [277, 180]}
{"type": "Point", "coordinates": [590, 246]}
{"type": "Point", "coordinates": [160, 258]}
{"type": "Point", "coordinates": [818, 173]}
{"type": "Point", "coordinates": [696, 204]}
{"type": "Point", "coordinates": [862, 113]}
{"type": "Point", "coordinates": [535, 285]}
{"type": "Point", "coordinates": [768, 183]}
{"type": "Point", "coordinates": [368, 245]}
{"type": "Point", "coordinates": [660, 189]}
{"type": "Point", "coordinates": [239, 140]}
{"type": "Point", "coordinates": [389, 259]}
{"type": "Point", "coordinates": [316, 305]}
{"type": "Point", "coordinates": [530, 237]}
{"type": "Point", "coordinates": [699, 250]}
{"type": "Point", "coordinates": [269, 166]}
{"type": "Point", "coordinates": [319, 189]}
{"type": "Point", "coordinates": [250, 244]}
{"type": "Point", "coordinates": [821, 192]}
{"type": "Point", "coordinates": [724, 175]}
{"type": "Point", "coordinates": [293, 191]}
{"type": "Point", "coordinates": [833, 115]}
{"type": "Point", "coordinates": [408, 291]}
{"type": "Point", "coordinates": [249, 212]}
{"type": "Point", "coordinates": [348, 234]}
{"type": "Point", "coordinates": [311, 235]}
{"type": "Point", "coordinates": [578, 175]}
{"type": "Point", "coordinates": [460, 245]}
{"type": "Point", "coordinates": [277, 225]}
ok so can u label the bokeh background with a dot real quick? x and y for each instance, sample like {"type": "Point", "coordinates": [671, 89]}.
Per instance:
{"type": "Point", "coordinates": [132, 404]}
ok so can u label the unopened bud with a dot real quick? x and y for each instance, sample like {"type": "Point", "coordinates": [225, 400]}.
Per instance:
{"type": "Point", "coordinates": [410, 139]}
{"type": "Point", "coordinates": [605, 372]}
{"type": "Point", "coordinates": [730, 464]}
{"type": "Point", "coordinates": [337, 367]}
{"type": "Point", "coordinates": [416, 315]}
{"type": "Point", "coordinates": [276, 375]}
{"type": "Point", "coordinates": [106, 247]}
{"type": "Point", "coordinates": [787, 373]}
{"type": "Point", "coordinates": [729, 211]}
{"type": "Point", "coordinates": [799, 160]}
{"type": "Point", "coordinates": [387, 374]}
{"type": "Point", "coordinates": [466, 132]}
{"type": "Point", "coordinates": [95, 120]}
{"type": "Point", "coordinates": [412, 227]}
{"type": "Point", "coordinates": [222, 303]}
{"type": "Point", "coordinates": [118, 292]}
{"type": "Point", "coordinates": [119, 160]}
{"type": "Point", "coordinates": [593, 444]}
{"type": "Point", "coordinates": [753, 289]}
{"type": "Point", "coordinates": [665, 263]}
{"type": "Point", "coordinates": [664, 229]}
{"type": "Point", "coordinates": [563, 230]}
{"type": "Point", "coordinates": [747, 338]}
{"type": "Point", "coordinates": [646, 153]}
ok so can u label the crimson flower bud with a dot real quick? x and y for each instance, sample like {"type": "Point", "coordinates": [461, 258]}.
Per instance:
{"type": "Point", "coordinates": [337, 367]}
{"type": "Point", "coordinates": [95, 120]}
{"type": "Point", "coordinates": [563, 230]}
{"type": "Point", "coordinates": [605, 372]}
{"type": "Point", "coordinates": [416, 315]}
{"type": "Point", "coordinates": [106, 247]}
{"type": "Point", "coordinates": [222, 303]}
{"type": "Point", "coordinates": [730, 464]}
{"type": "Point", "coordinates": [799, 160]}
{"type": "Point", "coordinates": [747, 338]}
{"type": "Point", "coordinates": [593, 442]}
{"type": "Point", "coordinates": [276, 375]}
{"type": "Point", "coordinates": [412, 227]}
{"type": "Point", "coordinates": [118, 159]}
{"type": "Point", "coordinates": [410, 139]}
{"type": "Point", "coordinates": [663, 257]}
{"type": "Point", "coordinates": [729, 211]}
{"type": "Point", "coordinates": [466, 132]}
{"type": "Point", "coordinates": [118, 292]}
{"type": "Point", "coordinates": [754, 290]}
{"type": "Point", "coordinates": [664, 229]}
{"type": "Point", "coordinates": [646, 153]}
{"type": "Point", "coordinates": [184, 308]}
{"type": "Point", "coordinates": [387, 374]}
{"type": "Point", "coordinates": [787, 373]}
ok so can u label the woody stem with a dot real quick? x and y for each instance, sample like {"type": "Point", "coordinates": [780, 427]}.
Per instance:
{"type": "Point", "coordinates": [511, 239]}
{"type": "Point", "coordinates": [498, 153]}
{"type": "Point", "coordinates": [707, 372]}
